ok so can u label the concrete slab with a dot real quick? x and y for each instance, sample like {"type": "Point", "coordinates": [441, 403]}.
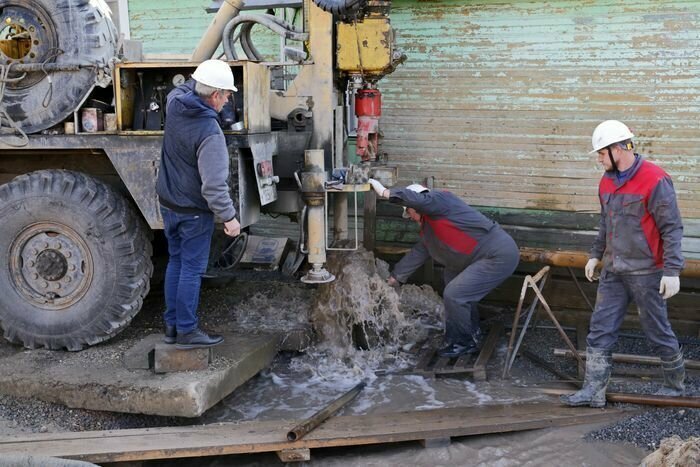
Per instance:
{"type": "Point", "coordinates": [98, 379]}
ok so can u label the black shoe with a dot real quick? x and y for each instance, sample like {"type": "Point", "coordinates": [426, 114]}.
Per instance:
{"type": "Point", "coordinates": [197, 339]}
{"type": "Point", "coordinates": [170, 334]}
{"type": "Point", "coordinates": [455, 350]}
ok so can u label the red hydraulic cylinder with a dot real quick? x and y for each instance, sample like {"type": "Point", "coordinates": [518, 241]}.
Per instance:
{"type": "Point", "coordinates": [368, 108]}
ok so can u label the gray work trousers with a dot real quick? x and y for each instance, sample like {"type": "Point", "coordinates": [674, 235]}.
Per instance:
{"type": "Point", "coordinates": [615, 292]}
{"type": "Point", "coordinates": [463, 289]}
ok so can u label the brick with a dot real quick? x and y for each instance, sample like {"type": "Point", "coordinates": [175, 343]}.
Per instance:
{"type": "Point", "coordinates": [168, 359]}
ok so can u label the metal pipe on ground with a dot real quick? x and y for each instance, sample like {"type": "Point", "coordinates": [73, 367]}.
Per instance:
{"type": "Point", "coordinates": [642, 399]}
{"type": "Point", "coordinates": [319, 417]}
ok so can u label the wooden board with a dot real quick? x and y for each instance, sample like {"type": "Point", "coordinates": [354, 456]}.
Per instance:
{"type": "Point", "coordinates": [430, 364]}
{"type": "Point", "coordinates": [270, 436]}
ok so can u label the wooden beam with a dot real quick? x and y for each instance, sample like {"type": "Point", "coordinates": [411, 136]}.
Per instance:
{"type": "Point", "coordinates": [270, 435]}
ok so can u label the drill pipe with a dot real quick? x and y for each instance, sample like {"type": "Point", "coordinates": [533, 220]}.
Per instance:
{"type": "Point", "coordinates": [319, 417]}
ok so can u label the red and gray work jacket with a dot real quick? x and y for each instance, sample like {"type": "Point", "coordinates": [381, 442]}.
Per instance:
{"type": "Point", "coordinates": [640, 224]}
{"type": "Point", "coordinates": [453, 233]}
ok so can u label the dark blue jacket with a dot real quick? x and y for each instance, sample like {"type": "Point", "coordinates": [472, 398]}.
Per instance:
{"type": "Point", "coordinates": [194, 165]}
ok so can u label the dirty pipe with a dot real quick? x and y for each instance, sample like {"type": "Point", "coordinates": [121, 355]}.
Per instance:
{"type": "Point", "coordinates": [212, 36]}
{"type": "Point", "coordinates": [319, 417]}
{"type": "Point", "coordinates": [578, 259]}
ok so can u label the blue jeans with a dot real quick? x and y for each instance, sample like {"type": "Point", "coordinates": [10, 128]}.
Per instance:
{"type": "Point", "coordinates": [189, 239]}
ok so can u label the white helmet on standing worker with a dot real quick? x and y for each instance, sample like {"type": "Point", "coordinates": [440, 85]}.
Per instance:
{"type": "Point", "coordinates": [610, 132]}
{"type": "Point", "coordinates": [216, 74]}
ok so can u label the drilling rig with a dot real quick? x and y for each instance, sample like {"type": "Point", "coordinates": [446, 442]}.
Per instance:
{"type": "Point", "coordinates": [81, 128]}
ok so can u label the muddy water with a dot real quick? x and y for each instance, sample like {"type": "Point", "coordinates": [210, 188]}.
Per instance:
{"type": "Point", "coordinates": [360, 309]}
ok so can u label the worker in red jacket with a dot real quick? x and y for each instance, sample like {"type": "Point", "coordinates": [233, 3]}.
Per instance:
{"type": "Point", "coordinates": [639, 243]}
{"type": "Point", "coordinates": [476, 252]}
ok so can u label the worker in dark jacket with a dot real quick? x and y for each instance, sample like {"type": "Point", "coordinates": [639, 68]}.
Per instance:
{"type": "Point", "coordinates": [639, 243]}
{"type": "Point", "coordinates": [192, 190]}
{"type": "Point", "coordinates": [476, 252]}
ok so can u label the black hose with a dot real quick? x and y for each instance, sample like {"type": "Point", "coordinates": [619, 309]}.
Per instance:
{"type": "Point", "coordinates": [341, 7]}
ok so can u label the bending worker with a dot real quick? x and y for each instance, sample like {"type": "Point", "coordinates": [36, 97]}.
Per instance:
{"type": "Point", "coordinates": [476, 252]}
{"type": "Point", "coordinates": [639, 242]}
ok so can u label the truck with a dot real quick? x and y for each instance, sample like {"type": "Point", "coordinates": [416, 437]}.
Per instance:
{"type": "Point", "coordinates": [81, 128]}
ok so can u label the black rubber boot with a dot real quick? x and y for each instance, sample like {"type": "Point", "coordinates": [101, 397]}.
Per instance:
{"type": "Point", "coordinates": [598, 368]}
{"type": "Point", "coordinates": [674, 376]}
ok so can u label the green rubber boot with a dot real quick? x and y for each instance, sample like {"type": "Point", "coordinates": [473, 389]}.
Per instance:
{"type": "Point", "coordinates": [598, 368]}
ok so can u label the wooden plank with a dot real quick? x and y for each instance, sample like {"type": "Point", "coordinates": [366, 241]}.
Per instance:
{"type": "Point", "coordinates": [270, 435]}
{"type": "Point", "coordinates": [489, 344]}
{"type": "Point", "coordinates": [370, 220]}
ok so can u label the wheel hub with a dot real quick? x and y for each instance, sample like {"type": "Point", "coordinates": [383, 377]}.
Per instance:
{"type": "Point", "coordinates": [51, 265]}
{"type": "Point", "coordinates": [26, 36]}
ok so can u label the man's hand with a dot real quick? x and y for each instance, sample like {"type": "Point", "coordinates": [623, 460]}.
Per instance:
{"type": "Point", "coordinates": [392, 281]}
{"type": "Point", "coordinates": [670, 285]}
{"type": "Point", "coordinates": [379, 188]}
{"type": "Point", "coordinates": [232, 228]}
{"type": "Point", "coordinates": [590, 269]}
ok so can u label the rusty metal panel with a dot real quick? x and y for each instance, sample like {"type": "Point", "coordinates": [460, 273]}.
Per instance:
{"type": "Point", "coordinates": [498, 99]}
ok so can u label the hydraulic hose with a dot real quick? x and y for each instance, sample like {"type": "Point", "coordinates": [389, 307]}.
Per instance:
{"type": "Point", "coordinates": [271, 22]}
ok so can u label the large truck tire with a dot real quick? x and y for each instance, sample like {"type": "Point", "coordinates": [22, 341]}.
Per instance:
{"type": "Point", "coordinates": [76, 260]}
{"type": "Point", "coordinates": [62, 32]}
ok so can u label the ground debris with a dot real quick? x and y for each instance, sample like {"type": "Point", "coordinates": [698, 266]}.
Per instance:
{"type": "Point", "coordinates": [675, 452]}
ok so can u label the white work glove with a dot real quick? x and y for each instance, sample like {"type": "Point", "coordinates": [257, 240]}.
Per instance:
{"type": "Point", "coordinates": [378, 187]}
{"type": "Point", "coordinates": [670, 285]}
{"type": "Point", "coordinates": [590, 269]}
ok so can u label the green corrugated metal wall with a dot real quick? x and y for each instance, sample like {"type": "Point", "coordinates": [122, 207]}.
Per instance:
{"type": "Point", "coordinates": [175, 27]}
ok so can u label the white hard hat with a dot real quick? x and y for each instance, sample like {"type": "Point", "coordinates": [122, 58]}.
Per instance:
{"type": "Point", "coordinates": [215, 73]}
{"type": "Point", "coordinates": [609, 132]}
{"type": "Point", "coordinates": [418, 188]}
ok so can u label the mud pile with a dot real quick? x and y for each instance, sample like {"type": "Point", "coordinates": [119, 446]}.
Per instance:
{"type": "Point", "coordinates": [675, 452]}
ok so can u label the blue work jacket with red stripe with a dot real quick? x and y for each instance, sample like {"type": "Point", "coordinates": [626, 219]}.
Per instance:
{"type": "Point", "coordinates": [640, 224]}
{"type": "Point", "coordinates": [452, 232]}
